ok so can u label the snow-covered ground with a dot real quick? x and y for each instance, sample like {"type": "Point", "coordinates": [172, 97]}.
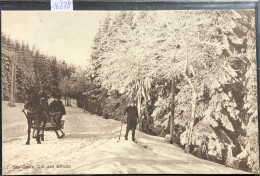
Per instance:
{"type": "Point", "coordinates": [90, 147]}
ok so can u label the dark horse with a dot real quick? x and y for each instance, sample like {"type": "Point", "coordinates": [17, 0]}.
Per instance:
{"type": "Point", "coordinates": [36, 115]}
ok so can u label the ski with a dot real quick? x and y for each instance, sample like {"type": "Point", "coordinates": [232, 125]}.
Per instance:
{"type": "Point", "coordinates": [143, 145]}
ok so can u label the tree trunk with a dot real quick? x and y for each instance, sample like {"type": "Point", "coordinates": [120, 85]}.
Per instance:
{"type": "Point", "coordinates": [193, 110]}
{"type": "Point", "coordinates": [139, 105]}
{"type": "Point", "coordinates": [194, 96]}
{"type": "Point", "coordinates": [65, 101]}
{"type": "Point", "coordinates": [15, 85]}
{"type": "Point", "coordinates": [68, 102]}
{"type": "Point", "coordinates": [172, 133]}
{"type": "Point", "coordinates": [84, 102]}
{"type": "Point", "coordinates": [12, 83]}
{"type": "Point", "coordinates": [138, 98]}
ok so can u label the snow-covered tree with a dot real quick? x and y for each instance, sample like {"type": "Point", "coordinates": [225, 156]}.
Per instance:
{"type": "Point", "coordinates": [194, 67]}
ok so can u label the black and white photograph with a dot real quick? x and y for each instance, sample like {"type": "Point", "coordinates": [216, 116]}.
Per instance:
{"type": "Point", "coordinates": [129, 92]}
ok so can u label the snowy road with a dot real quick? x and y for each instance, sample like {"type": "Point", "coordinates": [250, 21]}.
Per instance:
{"type": "Point", "coordinates": [90, 146]}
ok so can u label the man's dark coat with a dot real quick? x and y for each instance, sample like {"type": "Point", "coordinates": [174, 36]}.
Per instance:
{"type": "Point", "coordinates": [132, 115]}
{"type": "Point", "coordinates": [57, 106]}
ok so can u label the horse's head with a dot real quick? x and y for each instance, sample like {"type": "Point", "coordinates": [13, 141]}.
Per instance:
{"type": "Point", "coordinates": [32, 94]}
{"type": "Point", "coordinates": [43, 96]}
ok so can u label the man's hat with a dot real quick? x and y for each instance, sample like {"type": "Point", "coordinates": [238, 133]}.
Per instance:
{"type": "Point", "coordinates": [56, 93]}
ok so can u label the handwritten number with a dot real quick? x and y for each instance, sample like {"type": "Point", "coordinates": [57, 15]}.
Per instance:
{"type": "Point", "coordinates": [62, 4]}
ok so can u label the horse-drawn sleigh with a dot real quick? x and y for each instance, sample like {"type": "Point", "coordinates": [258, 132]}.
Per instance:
{"type": "Point", "coordinates": [39, 125]}
{"type": "Point", "coordinates": [42, 117]}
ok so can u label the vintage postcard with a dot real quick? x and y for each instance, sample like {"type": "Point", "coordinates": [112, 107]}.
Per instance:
{"type": "Point", "coordinates": [129, 92]}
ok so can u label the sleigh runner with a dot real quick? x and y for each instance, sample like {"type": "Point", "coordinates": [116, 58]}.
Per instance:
{"type": "Point", "coordinates": [50, 126]}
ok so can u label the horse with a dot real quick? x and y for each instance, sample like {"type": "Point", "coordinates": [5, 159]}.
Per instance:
{"type": "Point", "coordinates": [36, 116]}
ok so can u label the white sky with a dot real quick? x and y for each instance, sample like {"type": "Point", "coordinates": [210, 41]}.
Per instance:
{"type": "Point", "coordinates": [67, 35]}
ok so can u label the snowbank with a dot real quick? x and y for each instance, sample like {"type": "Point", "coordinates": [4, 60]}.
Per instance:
{"type": "Point", "coordinates": [90, 147]}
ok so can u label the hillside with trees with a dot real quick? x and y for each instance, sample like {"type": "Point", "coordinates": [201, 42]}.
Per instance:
{"type": "Point", "coordinates": [31, 68]}
{"type": "Point", "coordinates": [192, 75]}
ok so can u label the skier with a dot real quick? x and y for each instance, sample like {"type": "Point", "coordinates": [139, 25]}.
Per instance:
{"type": "Point", "coordinates": [132, 116]}
{"type": "Point", "coordinates": [57, 108]}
